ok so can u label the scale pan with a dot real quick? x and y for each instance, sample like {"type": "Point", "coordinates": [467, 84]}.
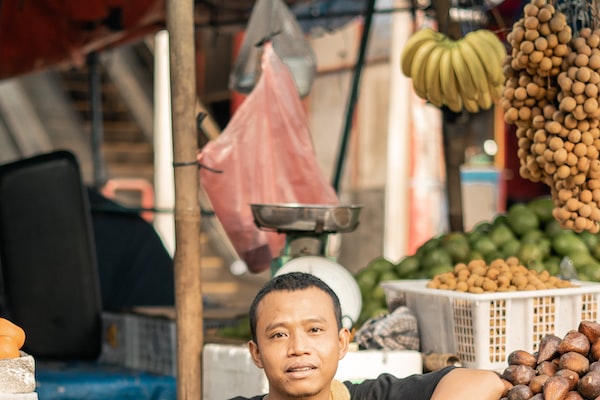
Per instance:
{"type": "Point", "coordinates": [337, 277]}
{"type": "Point", "coordinates": [317, 218]}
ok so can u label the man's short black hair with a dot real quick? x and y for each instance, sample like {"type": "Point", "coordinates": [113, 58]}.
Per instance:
{"type": "Point", "coordinates": [290, 282]}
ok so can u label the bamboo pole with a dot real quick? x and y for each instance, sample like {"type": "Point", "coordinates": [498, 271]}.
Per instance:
{"type": "Point", "coordinates": [188, 288]}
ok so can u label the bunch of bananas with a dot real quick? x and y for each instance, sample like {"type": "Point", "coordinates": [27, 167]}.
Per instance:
{"type": "Point", "coordinates": [460, 74]}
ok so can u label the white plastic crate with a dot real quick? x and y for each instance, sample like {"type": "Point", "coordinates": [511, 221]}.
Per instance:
{"type": "Point", "coordinates": [141, 342]}
{"type": "Point", "coordinates": [483, 329]}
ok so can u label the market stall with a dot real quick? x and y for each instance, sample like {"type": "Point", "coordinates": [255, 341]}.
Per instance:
{"type": "Point", "coordinates": [474, 322]}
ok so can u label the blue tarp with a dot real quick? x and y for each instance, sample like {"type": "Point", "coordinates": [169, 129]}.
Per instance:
{"type": "Point", "coordinates": [93, 381]}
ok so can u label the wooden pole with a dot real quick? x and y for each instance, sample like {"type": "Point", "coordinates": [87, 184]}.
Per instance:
{"type": "Point", "coordinates": [188, 288]}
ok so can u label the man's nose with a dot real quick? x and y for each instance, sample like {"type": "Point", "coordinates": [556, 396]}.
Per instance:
{"type": "Point", "coordinates": [299, 344]}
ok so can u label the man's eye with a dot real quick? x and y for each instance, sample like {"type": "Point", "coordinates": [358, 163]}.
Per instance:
{"type": "Point", "coordinates": [316, 329]}
{"type": "Point", "coordinates": [278, 335]}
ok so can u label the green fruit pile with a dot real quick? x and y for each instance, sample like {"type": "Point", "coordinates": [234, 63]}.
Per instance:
{"type": "Point", "coordinates": [373, 296]}
{"type": "Point", "coordinates": [527, 231]}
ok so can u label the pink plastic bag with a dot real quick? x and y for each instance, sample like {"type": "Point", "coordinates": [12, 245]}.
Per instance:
{"type": "Point", "coordinates": [267, 156]}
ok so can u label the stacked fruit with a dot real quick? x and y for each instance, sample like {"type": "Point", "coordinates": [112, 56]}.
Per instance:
{"type": "Point", "coordinates": [527, 231]}
{"type": "Point", "coordinates": [561, 368]}
{"type": "Point", "coordinates": [12, 338]}
{"type": "Point", "coordinates": [460, 74]}
{"type": "Point", "coordinates": [499, 276]}
{"type": "Point", "coordinates": [539, 42]}
{"type": "Point", "coordinates": [576, 136]}
{"type": "Point", "coordinates": [551, 95]}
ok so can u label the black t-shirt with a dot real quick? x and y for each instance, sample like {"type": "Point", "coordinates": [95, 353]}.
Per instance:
{"type": "Point", "coordinates": [387, 387]}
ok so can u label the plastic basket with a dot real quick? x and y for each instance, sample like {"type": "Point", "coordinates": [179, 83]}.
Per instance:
{"type": "Point", "coordinates": [140, 342]}
{"type": "Point", "coordinates": [483, 329]}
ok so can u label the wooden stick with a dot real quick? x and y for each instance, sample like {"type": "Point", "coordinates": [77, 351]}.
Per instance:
{"type": "Point", "coordinates": [188, 288]}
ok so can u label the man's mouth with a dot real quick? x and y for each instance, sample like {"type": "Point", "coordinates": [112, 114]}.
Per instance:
{"type": "Point", "coordinates": [300, 369]}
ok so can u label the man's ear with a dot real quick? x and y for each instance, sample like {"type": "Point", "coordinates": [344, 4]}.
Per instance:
{"type": "Point", "coordinates": [344, 340]}
{"type": "Point", "coordinates": [255, 353]}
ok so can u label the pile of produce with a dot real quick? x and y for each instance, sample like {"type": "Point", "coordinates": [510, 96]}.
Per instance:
{"type": "Point", "coordinates": [12, 338]}
{"type": "Point", "coordinates": [561, 369]}
{"type": "Point", "coordinates": [464, 73]}
{"type": "Point", "coordinates": [551, 95]}
{"type": "Point", "coordinates": [526, 231]}
{"type": "Point", "coordinates": [500, 276]}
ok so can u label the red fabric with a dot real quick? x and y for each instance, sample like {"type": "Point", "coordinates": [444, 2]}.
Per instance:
{"type": "Point", "coordinates": [267, 156]}
{"type": "Point", "coordinates": [39, 34]}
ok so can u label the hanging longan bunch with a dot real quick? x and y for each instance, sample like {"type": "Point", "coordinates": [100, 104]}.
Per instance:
{"type": "Point", "coordinates": [573, 136]}
{"type": "Point", "coordinates": [526, 101]}
{"type": "Point", "coordinates": [539, 39]}
{"type": "Point", "coordinates": [577, 205]}
{"type": "Point", "coordinates": [552, 95]}
{"type": "Point", "coordinates": [539, 42]}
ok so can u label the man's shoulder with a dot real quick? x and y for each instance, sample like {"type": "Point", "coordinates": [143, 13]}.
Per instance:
{"type": "Point", "coordinates": [386, 386]}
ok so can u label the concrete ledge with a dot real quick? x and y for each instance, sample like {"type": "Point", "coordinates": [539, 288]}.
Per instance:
{"type": "Point", "coordinates": [17, 376]}
{"type": "Point", "coordinates": [19, 396]}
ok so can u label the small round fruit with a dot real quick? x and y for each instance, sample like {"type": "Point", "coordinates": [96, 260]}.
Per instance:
{"type": "Point", "coordinates": [8, 348]}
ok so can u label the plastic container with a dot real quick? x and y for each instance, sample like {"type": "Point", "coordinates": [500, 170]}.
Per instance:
{"type": "Point", "coordinates": [140, 342]}
{"type": "Point", "coordinates": [483, 329]}
{"type": "Point", "coordinates": [228, 370]}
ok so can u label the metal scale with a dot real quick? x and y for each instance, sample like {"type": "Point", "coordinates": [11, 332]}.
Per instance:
{"type": "Point", "coordinates": [307, 228]}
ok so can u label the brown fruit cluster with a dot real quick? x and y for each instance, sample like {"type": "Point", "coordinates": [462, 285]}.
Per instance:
{"type": "Point", "coordinates": [573, 137]}
{"type": "Point", "coordinates": [500, 276]}
{"type": "Point", "coordinates": [551, 94]}
{"type": "Point", "coordinates": [562, 369]}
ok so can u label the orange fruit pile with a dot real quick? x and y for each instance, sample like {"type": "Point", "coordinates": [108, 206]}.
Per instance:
{"type": "Point", "coordinates": [12, 338]}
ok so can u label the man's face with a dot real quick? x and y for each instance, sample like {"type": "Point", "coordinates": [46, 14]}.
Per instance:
{"type": "Point", "coordinates": [298, 343]}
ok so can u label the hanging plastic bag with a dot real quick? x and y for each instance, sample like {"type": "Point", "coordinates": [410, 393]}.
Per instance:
{"type": "Point", "coordinates": [266, 156]}
{"type": "Point", "coordinates": [271, 20]}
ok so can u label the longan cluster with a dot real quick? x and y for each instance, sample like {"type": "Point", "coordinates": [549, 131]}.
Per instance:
{"type": "Point", "coordinates": [539, 39]}
{"type": "Point", "coordinates": [573, 137]}
{"type": "Point", "coordinates": [540, 44]}
{"type": "Point", "coordinates": [552, 96]}
{"type": "Point", "coordinates": [499, 276]}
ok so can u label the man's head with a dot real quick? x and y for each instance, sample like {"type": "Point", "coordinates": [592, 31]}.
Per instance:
{"type": "Point", "coordinates": [297, 336]}
{"type": "Point", "coordinates": [291, 282]}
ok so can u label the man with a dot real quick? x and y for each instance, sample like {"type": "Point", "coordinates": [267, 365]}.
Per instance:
{"type": "Point", "coordinates": [298, 339]}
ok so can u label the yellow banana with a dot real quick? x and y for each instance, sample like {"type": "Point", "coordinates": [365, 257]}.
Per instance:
{"type": "Point", "coordinates": [466, 86]}
{"type": "Point", "coordinates": [412, 45]}
{"type": "Point", "coordinates": [496, 91]}
{"type": "Point", "coordinates": [484, 100]}
{"type": "Point", "coordinates": [432, 76]}
{"type": "Point", "coordinates": [494, 41]}
{"type": "Point", "coordinates": [490, 58]}
{"type": "Point", "coordinates": [450, 96]}
{"type": "Point", "coordinates": [475, 67]}
{"type": "Point", "coordinates": [469, 103]}
{"type": "Point", "coordinates": [417, 68]}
